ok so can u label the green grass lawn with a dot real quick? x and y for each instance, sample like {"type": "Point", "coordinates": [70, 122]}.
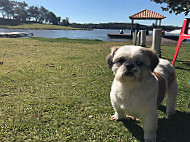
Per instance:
{"type": "Point", "coordinates": [58, 90]}
{"type": "Point", "coordinates": [39, 26]}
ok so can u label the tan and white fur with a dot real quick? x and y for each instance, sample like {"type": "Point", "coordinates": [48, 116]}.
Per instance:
{"type": "Point", "coordinates": [140, 84]}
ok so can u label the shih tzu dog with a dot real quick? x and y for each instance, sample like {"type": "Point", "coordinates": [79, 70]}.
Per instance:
{"type": "Point", "coordinates": [140, 83]}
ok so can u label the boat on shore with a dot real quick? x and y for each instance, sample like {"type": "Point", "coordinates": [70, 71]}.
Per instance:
{"type": "Point", "coordinates": [16, 34]}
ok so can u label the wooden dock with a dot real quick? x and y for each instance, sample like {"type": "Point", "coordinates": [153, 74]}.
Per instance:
{"type": "Point", "coordinates": [115, 35]}
{"type": "Point", "coordinates": [166, 39]}
{"type": "Point", "coordinates": [120, 36]}
{"type": "Point", "coordinates": [16, 34]}
{"type": "Point", "coordinates": [172, 37]}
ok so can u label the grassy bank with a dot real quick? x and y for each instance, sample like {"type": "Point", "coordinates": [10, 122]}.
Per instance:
{"type": "Point", "coordinates": [58, 90]}
{"type": "Point", "coordinates": [39, 26]}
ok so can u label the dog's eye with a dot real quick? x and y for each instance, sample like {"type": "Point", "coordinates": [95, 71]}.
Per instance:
{"type": "Point", "coordinates": [121, 60]}
{"type": "Point", "coordinates": [139, 64]}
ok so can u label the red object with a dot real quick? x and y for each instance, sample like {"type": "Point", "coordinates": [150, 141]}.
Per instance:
{"type": "Point", "coordinates": [183, 35]}
{"type": "Point", "coordinates": [163, 32]}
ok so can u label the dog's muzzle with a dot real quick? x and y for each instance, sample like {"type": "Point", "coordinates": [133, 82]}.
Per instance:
{"type": "Point", "coordinates": [130, 69]}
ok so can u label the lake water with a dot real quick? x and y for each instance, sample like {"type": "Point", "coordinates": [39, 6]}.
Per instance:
{"type": "Point", "coordinates": [100, 34]}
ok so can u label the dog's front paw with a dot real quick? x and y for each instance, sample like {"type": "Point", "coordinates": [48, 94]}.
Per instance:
{"type": "Point", "coordinates": [116, 118]}
{"type": "Point", "coordinates": [150, 140]}
{"type": "Point", "coordinates": [113, 118]}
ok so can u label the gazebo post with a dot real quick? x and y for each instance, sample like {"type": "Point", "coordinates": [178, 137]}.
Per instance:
{"type": "Point", "coordinates": [132, 23]}
{"type": "Point", "coordinates": [160, 22]}
{"type": "Point", "coordinates": [156, 23]}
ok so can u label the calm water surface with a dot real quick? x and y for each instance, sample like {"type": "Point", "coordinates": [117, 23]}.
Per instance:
{"type": "Point", "coordinates": [100, 34]}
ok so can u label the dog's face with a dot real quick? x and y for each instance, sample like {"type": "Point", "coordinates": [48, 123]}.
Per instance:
{"type": "Point", "coordinates": [132, 63]}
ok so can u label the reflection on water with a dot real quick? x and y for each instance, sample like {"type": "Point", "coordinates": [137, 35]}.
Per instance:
{"type": "Point", "coordinates": [100, 34]}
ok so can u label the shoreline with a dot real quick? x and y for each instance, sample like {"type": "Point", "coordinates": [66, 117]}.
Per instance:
{"type": "Point", "coordinates": [38, 26]}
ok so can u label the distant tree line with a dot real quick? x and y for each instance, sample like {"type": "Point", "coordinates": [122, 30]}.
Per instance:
{"type": "Point", "coordinates": [102, 25]}
{"type": "Point", "coordinates": [22, 12]}
{"type": "Point", "coordinates": [119, 26]}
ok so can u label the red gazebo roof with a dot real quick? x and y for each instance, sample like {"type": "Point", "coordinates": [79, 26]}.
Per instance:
{"type": "Point", "coordinates": [147, 14]}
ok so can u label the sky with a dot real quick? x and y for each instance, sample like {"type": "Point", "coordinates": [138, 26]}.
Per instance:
{"type": "Point", "coordinates": [104, 11]}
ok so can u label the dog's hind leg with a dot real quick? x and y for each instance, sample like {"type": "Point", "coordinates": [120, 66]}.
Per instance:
{"type": "Point", "coordinates": [171, 98]}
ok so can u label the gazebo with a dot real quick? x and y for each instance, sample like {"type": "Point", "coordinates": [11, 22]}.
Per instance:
{"type": "Point", "coordinates": [146, 15]}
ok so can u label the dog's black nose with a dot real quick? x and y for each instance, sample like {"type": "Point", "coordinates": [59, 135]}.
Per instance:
{"type": "Point", "coordinates": [130, 69]}
{"type": "Point", "coordinates": [129, 66]}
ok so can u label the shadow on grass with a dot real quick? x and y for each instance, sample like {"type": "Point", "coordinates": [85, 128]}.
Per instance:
{"type": "Point", "coordinates": [5, 95]}
{"type": "Point", "coordinates": [174, 129]}
{"type": "Point", "coordinates": [181, 68]}
{"type": "Point", "coordinates": [185, 63]}
{"type": "Point", "coordinates": [134, 128]}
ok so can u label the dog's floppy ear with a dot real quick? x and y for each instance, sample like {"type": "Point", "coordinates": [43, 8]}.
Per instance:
{"type": "Point", "coordinates": [152, 55]}
{"type": "Point", "coordinates": [109, 57]}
